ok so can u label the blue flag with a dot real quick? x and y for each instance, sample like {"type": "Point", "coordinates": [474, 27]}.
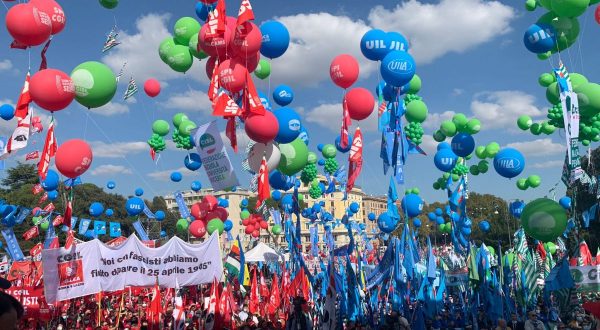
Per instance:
{"type": "Point", "coordinates": [431, 265]}
{"type": "Point", "coordinates": [115, 229]}
{"type": "Point", "coordinates": [84, 225]}
{"type": "Point", "coordinates": [99, 227]}
{"type": "Point", "coordinates": [139, 229]}
{"type": "Point", "coordinates": [12, 245]}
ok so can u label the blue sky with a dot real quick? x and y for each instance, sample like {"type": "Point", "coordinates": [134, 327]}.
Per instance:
{"type": "Point", "coordinates": [469, 54]}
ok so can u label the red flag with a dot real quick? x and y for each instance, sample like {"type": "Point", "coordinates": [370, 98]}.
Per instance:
{"type": "Point", "coordinates": [58, 220]}
{"type": "Point", "coordinates": [37, 188]}
{"type": "Point", "coordinates": [152, 153]}
{"type": "Point", "coordinates": [17, 45]}
{"type": "Point", "coordinates": [226, 308]}
{"type": "Point", "coordinates": [252, 101]}
{"type": "Point", "coordinates": [31, 233]}
{"type": "Point", "coordinates": [230, 132]}
{"type": "Point", "coordinates": [44, 63]}
{"type": "Point", "coordinates": [213, 88]}
{"type": "Point", "coordinates": [155, 308]}
{"type": "Point", "coordinates": [355, 159]}
{"type": "Point", "coordinates": [50, 147]}
{"type": "Point", "coordinates": [264, 190]}
{"type": "Point", "coordinates": [32, 155]}
{"type": "Point", "coordinates": [274, 300]}
{"type": "Point", "coordinates": [22, 108]}
{"type": "Point", "coordinates": [585, 254]}
{"type": "Point", "coordinates": [68, 212]}
{"type": "Point", "coordinates": [382, 108]}
{"type": "Point", "coordinates": [213, 307]}
{"type": "Point", "coordinates": [264, 289]}
{"type": "Point", "coordinates": [54, 244]}
{"type": "Point", "coordinates": [541, 250]}
{"type": "Point", "coordinates": [70, 239]}
{"type": "Point", "coordinates": [49, 208]}
{"type": "Point", "coordinates": [43, 198]}
{"type": "Point", "coordinates": [254, 305]}
{"type": "Point", "coordinates": [346, 122]}
{"type": "Point", "coordinates": [224, 106]}
{"type": "Point", "coordinates": [216, 21]}
{"type": "Point", "coordinates": [245, 13]}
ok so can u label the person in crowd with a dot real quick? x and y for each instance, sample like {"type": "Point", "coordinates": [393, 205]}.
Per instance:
{"type": "Point", "coordinates": [533, 323]}
{"type": "Point", "coordinates": [515, 324]}
{"type": "Point", "coordinates": [11, 311]}
{"type": "Point", "coordinates": [298, 320]}
{"type": "Point", "coordinates": [502, 325]}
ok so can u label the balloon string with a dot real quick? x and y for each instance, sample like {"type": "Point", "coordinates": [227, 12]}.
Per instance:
{"type": "Point", "coordinates": [580, 41]}
{"type": "Point", "coordinates": [5, 5]}
{"type": "Point", "coordinates": [29, 59]}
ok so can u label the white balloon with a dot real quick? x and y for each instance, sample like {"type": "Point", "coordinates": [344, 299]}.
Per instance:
{"type": "Point", "coordinates": [271, 153]}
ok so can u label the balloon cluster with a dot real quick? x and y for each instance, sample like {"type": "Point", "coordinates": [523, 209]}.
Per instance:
{"type": "Point", "coordinates": [160, 128]}
{"type": "Point", "coordinates": [533, 181]}
{"type": "Point", "coordinates": [459, 124]}
{"type": "Point", "coordinates": [309, 172]}
{"type": "Point", "coordinates": [253, 223]}
{"type": "Point", "coordinates": [209, 216]}
{"type": "Point", "coordinates": [178, 51]}
{"type": "Point", "coordinates": [32, 23]}
{"type": "Point", "coordinates": [331, 165]}
{"type": "Point", "coordinates": [181, 134]}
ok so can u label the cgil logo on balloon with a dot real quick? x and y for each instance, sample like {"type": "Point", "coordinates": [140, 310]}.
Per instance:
{"type": "Point", "coordinates": [401, 67]}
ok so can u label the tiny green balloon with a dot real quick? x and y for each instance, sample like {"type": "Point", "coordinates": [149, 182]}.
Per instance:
{"type": "Point", "coordinates": [534, 181]}
{"type": "Point", "coordinates": [524, 122]}
{"type": "Point", "coordinates": [109, 4]}
{"type": "Point", "coordinates": [185, 28]}
{"type": "Point", "coordinates": [544, 56]}
{"type": "Point", "coordinates": [276, 229]}
{"type": "Point", "coordinates": [182, 225]}
{"type": "Point", "coordinates": [215, 225]}
{"type": "Point", "coordinates": [460, 120]}
{"type": "Point", "coordinates": [312, 157]}
{"type": "Point", "coordinates": [45, 225]}
{"type": "Point", "coordinates": [546, 79]}
{"type": "Point", "coordinates": [414, 86]}
{"type": "Point", "coordinates": [474, 170]}
{"type": "Point", "coordinates": [436, 185]}
{"type": "Point", "coordinates": [522, 184]}
{"type": "Point", "coordinates": [536, 129]}
{"type": "Point", "coordinates": [448, 128]}
{"type": "Point", "coordinates": [245, 214]}
{"type": "Point", "coordinates": [263, 70]}
{"type": "Point", "coordinates": [438, 136]}
{"type": "Point", "coordinates": [179, 58]}
{"type": "Point", "coordinates": [483, 166]}
{"type": "Point", "coordinates": [329, 151]}
{"type": "Point", "coordinates": [416, 191]}
{"type": "Point", "coordinates": [185, 127]}
{"type": "Point", "coordinates": [294, 157]}
{"type": "Point", "coordinates": [492, 149]}
{"type": "Point", "coordinates": [544, 219]}
{"type": "Point", "coordinates": [165, 48]}
{"type": "Point", "coordinates": [473, 126]}
{"type": "Point", "coordinates": [480, 152]}
{"type": "Point", "coordinates": [548, 128]}
{"type": "Point", "coordinates": [160, 127]}
{"type": "Point", "coordinates": [178, 118]}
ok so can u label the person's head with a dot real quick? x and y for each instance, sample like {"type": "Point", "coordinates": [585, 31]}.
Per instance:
{"type": "Point", "coordinates": [513, 317]}
{"type": "Point", "coordinates": [501, 323]}
{"type": "Point", "coordinates": [532, 315]}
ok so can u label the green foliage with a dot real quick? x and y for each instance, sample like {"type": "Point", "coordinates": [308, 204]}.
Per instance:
{"type": "Point", "coordinates": [20, 175]}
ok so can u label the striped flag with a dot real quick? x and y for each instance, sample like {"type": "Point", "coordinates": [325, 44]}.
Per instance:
{"type": "Point", "coordinates": [132, 89]}
{"type": "Point", "coordinates": [264, 190]}
{"type": "Point", "coordinates": [50, 147]}
{"type": "Point", "coordinates": [178, 311]}
{"type": "Point", "coordinates": [111, 40]}
{"type": "Point", "coordinates": [531, 275]}
{"type": "Point", "coordinates": [32, 155]}
{"type": "Point", "coordinates": [235, 260]}
{"type": "Point", "coordinates": [22, 108]}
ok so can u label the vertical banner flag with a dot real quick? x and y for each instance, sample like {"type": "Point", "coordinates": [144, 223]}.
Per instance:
{"type": "Point", "coordinates": [100, 227]}
{"type": "Point", "coordinates": [50, 146]}
{"type": "Point", "coordinates": [148, 213]}
{"type": "Point", "coordinates": [139, 229]}
{"type": "Point", "coordinates": [84, 224]}
{"type": "Point", "coordinates": [214, 157]}
{"type": "Point", "coordinates": [115, 229]}
{"type": "Point", "coordinates": [20, 135]}
{"type": "Point", "coordinates": [183, 209]}
{"type": "Point", "coordinates": [12, 245]}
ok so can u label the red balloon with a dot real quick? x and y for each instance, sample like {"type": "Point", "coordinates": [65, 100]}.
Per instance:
{"type": "Point", "coordinates": [250, 62]}
{"type": "Point", "coordinates": [262, 128]}
{"type": "Point", "coordinates": [597, 14]}
{"type": "Point", "coordinates": [247, 40]}
{"type": "Point", "coordinates": [54, 11]}
{"type": "Point", "coordinates": [344, 70]}
{"type": "Point", "coordinates": [264, 225]}
{"type": "Point", "coordinates": [208, 2]}
{"type": "Point", "coordinates": [152, 87]}
{"type": "Point", "coordinates": [195, 211]}
{"type": "Point", "coordinates": [211, 201]}
{"type": "Point", "coordinates": [197, 229]}
{"type": "Point", "coordinates": [256, 234]}
{"type": "Point", "coordinates": [28, 24]}
{"type": "Point", "coordinates": [249, 229]}
{"type": "Point", "coordinates": [220, 213]}
{"type": "Point", "coordinates": [214, 46]}
{"type": "Point", "coordinates": [73, 158]}
{"type": "Point", "coordinates": [52, 89]}
{"type": "Point", "coordinates": [360, 103]}
{"type": "Point", "coordinates": [210, 66]}
{"type": "Point", "coordinates": [232, 75]}
{"type": "Point", "coordinates": [245, 222]}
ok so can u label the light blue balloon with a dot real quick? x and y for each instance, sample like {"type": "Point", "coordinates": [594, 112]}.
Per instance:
{"type": "Point", "coordinates": [397, 42]}
{"type": "Point", "coordinates": [196, 185]}
{"type": "Point", "coordinates": [338, 145]}
{"type": "Point", "coordinates": [160, 215]}
{"type": "Point", "coordinates": [509, 162]}
{"type": "Point", "coordinates": [264, 99]}
{"type": "Point", "coordinates": [96, 209]}
{"type": "Point", "coordinates": [565, 202]}
{"type": "Point", "coordinates": [439, 212]}
{"type": "Point", "coordinates": [374, 44]}
{"type": "Point", "coordinates": [139, 192]}
{"type": "Point", "coordinates": [134, 206]}
{"type": "Point", "coordinates": [276, 195]}
{"type": "Point", "coordinates": [109, 212]}
{"type": "Point", "coordinates": [431, 216]}
{"type": "Point", "coordinates": [316, 207]}
{"type": "Point", "coordinates": [176, 176]}
{"type": "Point", "coordinates": [222, 202]}
{"type": "Point", "coordinates": [397, 68]}
{"type": "Point", "coordinates": [484, 226]}
{"type": "Point", "coordinates": [7, 111]}
{"type": "Point", "coordinates": [52, 195]}
{"type": "Point", "coordinates": [283, 95]}
{"type": "Point", "coordinates": [244, 203]}
{"type": "Point", "coordinates": [466, 230]}
{"type": "Point", "coordinates": [304, 135]}
{"type": "Point", "coordinates": [354, 207]}
{"type": "Point", "coordinates": [227, 225]}
{"type": "Point", "coordinates": [110, 185]}
{"type": "Point", "coordinates": [463, 144]}
{"type": "Point", "coordinates": [417, 222]}
{"type": "Point", "coordinates": [386, 223]}
{"type": "Point", "coordinates": [51, 181]}
{"type": "Point", "coordinates": [275, 39]}
{"type": "Point", "coordinates": [289, 125]}
{"type": "Point", "coordinates": [445, 160]}
{"type": "Point", "coordinates": [192, 162]}
{"type": "Point", "coordinates": [412, 205]}
{"type": "Point", "coordinates": [540, 38]}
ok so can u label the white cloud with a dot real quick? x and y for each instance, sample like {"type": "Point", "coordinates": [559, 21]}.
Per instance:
{"type": "Point", "coordinates": [500, 109]}
{"type": "Point", "coordinates": [5, 65]}
{"type": "Point", "coordinates": [429, 145]}
{"type": "Point", "coordinates": [111, 109]}
{"type": "Point", "coordinates": [140, 51]}
{"type": "Point", "coordinates": [549, 164]}
{"type": "Point", "coordinates": [242, 139]}
{"type": "Point", "coordinates": [190, 100]}
{"type": "Point", "coordinates": [313, 46]}
{"type": "Point", "coordinates": [539, 147]}
{"type": "Point", "coordinates": [166, 175]}
{"type": "Point", "coordinates": [118, 149]}
{"type": "Point", "coordinates": [110, 169]}
{"type": "Point", "coordinates": [457, 92]}
{"type": "Point", "coordinates": [433, 30]}
{"type": "Point", "coordinates": [330, 116]}
{"type": "Point", "coordinates": [435, 119]}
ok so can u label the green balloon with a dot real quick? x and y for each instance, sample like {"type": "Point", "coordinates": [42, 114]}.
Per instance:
{"type": "Point", "coordinates": [469, 156]}
{"type": "Point", "coordinates": [165, 48]}
{"type": "Point", "coordinates": [329, 151]}
{"type": "Point", "coordinates": [536, 129]}
{"type": "Point", "coordinates": [436, 185]}
{"type": "Point", "coordinates": [522, 184]}
{"type": "Point", "coordinates": [312, 157]}
{"type": "Point", "coordinates": [186, 127]}
{"type": "Point", "coordinates": [416, 111]}
{"type": "Point", "coordinates": [193, 46]}
{"type": "Point", "coordinates": [185, 28]}
{"type": "Point", "coordinates": [44, 225]}
{"type": "Point", "coordinates": [550, 247]}
{"type": "Point", "coordinates": [448, 227]}
{"type": "Point", "coordinates": [473, 126]}
{"type": "Point", "coordinates": [178, 118]}
{"type": "Point", "coordinates": [492, 250]}
{"type": "Point", "coordinates": [294, 157]}
{"type": "Point", "coordinates": [276, 229]}
{"type": "Point", "coordinates": [585, 142]}
{"type": "Point", "coordinates": [438, 136]}
{"type": "Point", "coordinates": [460, 120]}
{"type": "Point", "coordinates": [548, 128]}
{"type": "Point", "coordinates": [182, 225]}
{"type": "Point", "coordinates": [215, 225]}
{"type": "Point", "coordinates": [480, 152]}
{"type": "Point", "coordinates": [544, 219]}
{"type": "Point", "coordinates": [442, 228]}
{"type": "Point", "coordinates": [416, 191]}
{"type": "Point", "coordinates": [414, 86]}
{"type": "Point", "coordinates": [552, 93]}
{"type": "Point", "coordinates": [524, 122]}
{"type": "Point", "coordinates": [473, 169]}
{"type": "Point", "coordinates": [95, 84]}
{"type": "Point", "coordinates": [109, 4]}
{"type": "Point", "coordinates": [546, 79]}
{"type": "Point", "coordinates": [530, 5]}
{"type": "Point", "coordinates": [448, 128]}
{"type": "Point", "coordinates": [300, 197]}
{"type": "Point", "coordinates": [577, 81]}
{"type": "Point", "coordinates": [569, 8]}
{"type": "Point", "coordinates": [245, 214]}
{"type": "Point", "coordinates": [179, 58]}
{"type": "Point", "coordinates": [534, 181]}
{"type": "Point", "coordinates": [36, 220]}
{"type": "Point", "coordinates": [492, 149]}
{"type": "Point", "coordinates": [263, 70]}
{"type": "Point", "coordinates": [566, 29]}
{"type": "Point", "coordinates": [455, 177]}
{"type": "Point", "coordinates": [160, 127]}
{"type": "Point", "coordinates": [483, 166]}
{"type": "Point", "coordinates": [592, 93]}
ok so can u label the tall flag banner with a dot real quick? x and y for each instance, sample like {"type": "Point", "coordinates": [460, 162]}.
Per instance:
{"type": "Point", "coordinates": [12, 245]}
{"type": "Point", "coordinates": [215, 158]}
{"type": "Point", "coordinates": [32, 232]}
{"type": "Point", "coordinates": [20, 135]}
{"type": "Point", "coordinates": [254, 304]}
{"type": "Point", "coordinates": [264, 191]}
{"type": "Point", "coordinates": [115, 229]}
{"type": "Point", "coordinates": [22, 108]}
{"type": "Point", "coordinates": [216, 21]}
{"type": "Point", "coordinates": [132, 89]}
{"type": "Point", "coordinates": [99, 227]}
{"type": "Point", "coordinates": [50, 146]}
{"type": "Point", "coordinates": [252, 101]}
{"type": "Point", "coordinates": [3, 151]}
{"type": "Point", "coordinates": [225, 106]}
{"type": "Point", "coordinates": [23, 213]}
{"type": "Point", "coordinates": [231, 133]}
{"type": "Point", "coordinates": [148, 213]}
{"type": "Point", "coordinates": [178, 310]}
{"type": "Point", "coordinates": [139, 229]}
{"type": "Point", "coordinates": [58, 220]}
{"type": "Point", "coordinates": [111, 40]}
{"type": "Point", "coordinates": [274, 299]}
{"type": "Point", "coordinates": [36, 252]}
{"type": "Point", "coordinates": [355, 159]}
{"type": "Point", "coordinates": [235, 260]}
{"type": "Point", "coordinates": [44, 61]}
{"type": "Point", "coordinates": [84, 224]}
{"type": "Point", "coordinates": [155, 308]}
{"type": "Point", "coordinates": [213, 307]}
{"type": "Point", "coordinates": [226, 306]}
{"type": "Point", "coordinates": [245, 13]}
{"type": "Point", "coordinates": [183, 209]}
{"type": "Point", "coordinates": [346, 122]}
{"type": "Point", "coordinates": [213, 87]}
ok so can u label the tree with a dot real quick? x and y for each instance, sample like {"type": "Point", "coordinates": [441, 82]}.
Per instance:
{"type": "Point", "coordinates": [20, 175]}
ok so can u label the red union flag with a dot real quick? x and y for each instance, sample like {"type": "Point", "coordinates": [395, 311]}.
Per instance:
{"type": "Point", "coordinates": [31, 233]}
{"type": "Point", "coordinates": [216, 21]}
{"type": "Point", "coordinates": [246, 13]}
{"type": "Point", "coordinates": [50, 147]}
{"type": "Point", "coordinates": [22, 109]}
{"type": "Point", "coordinates": [213, 88]}
{"type": "Point", "coordinates": [49, 208]}
{"type": "Point", "coordinates": [264, 191]}
{"type": "Point", "coordinates": [225, 106]}
{"type": "Point", "coordinates": [36, 250]}
{"type": "Point", "coordinates": [43, 198]}
{"type": "Point", "coordinates": [346, 122]}
{"type": "Point", "coordinates": [355, 159]}
{"type": "Point", "coordinates": [58, 220]}
{"type": "Point", "coordinates": [252, 101]}
{"type": "Point", "coordinates": [32, 155]}
{"type": "Point", "coordinates": [37, 188]}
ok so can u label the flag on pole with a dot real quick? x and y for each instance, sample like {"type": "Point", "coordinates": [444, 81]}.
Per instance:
{"type": "Point", "coordinates": [178, 311]}
{"type": "Point", "coordinates": [234, 262]}
{"type": "Point", "coordinates": [355, 159]}
{"type": "Point", "coordinates": [245, 13]}
{"type": "Point", "coordinates": [22, 108]}
{"type": "Point", "coordinates": [31, 233]}
{"type": "Point", "coordinates": [264, 191]}
{"type": "Point", "coordinates": [44, 61]}
{"type": "Point", "coordinates": [155, 307]}
{"type": "Point", "coordinates": [213, 307]}
{"type": "Point", "coordinates": [274, 299]}
{"type": "Point", "coordinates": [132, 89]}
{"type": "Point", "coordinates": [216, 21]}
{"type": "Point", "coordinates": [254, 305]}
{"type": "Point", "coordinates": [231, 134]}
{"type": "Point", "coordinates": [50, 146]}
{"type": "Point", "coordinates": [346, 122]}
{"type": "Point", "coordinates": [226, 308]}
{"type": "Point", "coordinates": [121, 71]}
{"type": "Point", "coordinates": [111, 40]}
{"type": "Point", "coordinates": [20, 135]}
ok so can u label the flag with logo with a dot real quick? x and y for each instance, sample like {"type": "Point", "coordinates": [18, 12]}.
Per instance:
{"type": "Point", "coordinates": [355, 159]}
{"type": "Point", "coordinates": [263, 183]}
{"type": "Point", "coordinates": [131, 90]}
{"type": "Point", "coordinates": [245, 13]}
{"type": "Point", "coordinates": [213, 307]}
{"type": "Point", "coordinates": [50, 146]}
{"type": "Point", "coordinates": [32, 232]}
{"type": "Point", "coordinates": [20, 135]}
{"type": "Point", "coordinates": [36, 252]}
{"type": "Point", "coordinates": [115, 229]}
{"type": "Point", "coordinates": [274, 299]}
{"type": "Point", "coordinates": [155, 308]}
{"type": "Point", "coordinates": [216, 21]}
{"type": "Point", "coordinates": [111, 40]}
{"type": "Point", "coordinates": [99, 227]}
{"type": "Point", "coordinates": [22, 108]}
{"type": "Point", "coordinates": [84, 224]}
{"type": "Point", "coordinates": [32, 155]}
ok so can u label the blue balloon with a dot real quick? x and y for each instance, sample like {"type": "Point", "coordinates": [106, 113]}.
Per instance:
{"type": "Point", "coordinates": [276, 195]}
{"type": "Point", "coordinates": [289, 125]}
{"type": "Point", "coordinates": [321, 162]}
{"type": "Point", "coordinates": [110, 185]}
{"type": "Point", "coordinates": [264, 99]}
{"type": "Point", "coordinates": [139, 192]}
{"type": "Point", "coordinates": [304, 135]}
{"type": "Point", "coordinates": [509, 162]}
{"type": "Point", "coordinates": [397, 68]}
{"type": "Point", "coordinates": [316, 207]}
{"type": "Point", "coordinates": [539, 38]}
{"type": "Point", "coordinates": [192, 162]}
{"type": "Point", "coordinates": [51, 181]}
{"type": "Point", "coordinates": [397, 42]}
{"type": "Point", "coordinates": [374, 44]}
{"type": "Point", "coordinates": [320, 146]}
{"type": "Point", "coordinates": [327, 216]}
{"type": "Point", "coordinates": [222, 202]}
{"type": "Point", "coordinates": [196, 186]}
{"type": "Point", "coordinates": [163, 233]}
{"type": "Point", "coordinates": [96, 209]}
{"type": "Point", "coordinates": [283, 95]}
{"type": "Point", "coordinates": [109, 212]}
{"type": "Point", "coordinates": [463, 144]}
{"type": "Point", "coordinates": [565, 202]}
{"type": "Point", "coordinates": [275, 39]}
{"type": "Point", "coordinates": [354, 207]}
{"type": "Point", "coordinates": [134, 206]}
{"type": "Point", "coordinates": [439, 212]}
{"type": "Point", "coordinates": [417, 222]}
{"type": "Point", "coordinates": [160, 215]}
{"type": "Point", "coordinates": [362, 226]}
{"type": "Point", "coordinates": [280, 181]}
{"type": "Point", "coordinates": [202, 10]}
{"type": "Point", "coordinates": [431, 216]}
{"type": "Point", "coordinates": [445, 160]}
{"type": "Point", "coordinates": [244, 203]}
{"type": "Point", "coordinates": [338, 146]}
{"type": "Point", "coordinates": [1, 245]}
{"type": "Point", "coordinates": [7, 111]}
{"type": "Point", "coordinates": [466, 230]}
{"type": "Point", "coordinates": [176, 176]}
{"type": "Point", "coordinates": [443, 145]}
{"type": "Point", "coordinates": [439, 220]}
{"type": "Point", "coordinates": [412, 205]}
{"type": "Point", "coordinates": [371, 216]}
{"type": "Point", "coordinates": [228, 225]}
{"type": "Point", "coordinates": [52, 195]}
{"type": "Point", "coordinates": [516, 208]}
{"type": "Point", "coordinates": [192, 141]}
{"type": "Point", "coordinates": [484, 226]}
{"type": "Point", "coordinates": [287, 201]}
{"type": "Point", "coordinates": [386, 223]}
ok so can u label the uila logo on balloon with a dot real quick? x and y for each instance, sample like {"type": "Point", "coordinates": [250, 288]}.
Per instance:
{"type": "Point", "coordinates": [400, 66]}
{"type": "Point", "coordinates": [509, 163]}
